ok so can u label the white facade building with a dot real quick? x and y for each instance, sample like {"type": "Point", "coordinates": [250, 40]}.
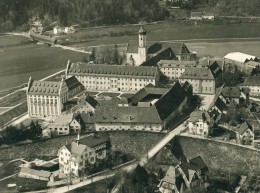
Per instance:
{"type": "Point", "coordinates": [74, 158]}
{"type": "Point", "coordinates": [101, 77]}
{"type": "Point", "coordinates": [199, 123]}
{"type": "Point", "coordinates": [174, 68]}
{"type": "Point", "coordinates": [47, 98]}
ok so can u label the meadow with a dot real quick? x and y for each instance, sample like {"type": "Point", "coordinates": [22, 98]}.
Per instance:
{"type": "Point", "coordinates": [18, 63]}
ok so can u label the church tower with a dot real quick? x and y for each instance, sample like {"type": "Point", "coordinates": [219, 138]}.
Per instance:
{"type": "Point", "coordinates": [142, 51]}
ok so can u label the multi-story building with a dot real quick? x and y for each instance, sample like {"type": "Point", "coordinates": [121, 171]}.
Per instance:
{"type": "Point", "coordinates": [174, 68]}
{"type": "Point", "coordinates": [201, 79]}
{"type": "Point", "coordinates": [199, 123]}
{"type": "Point", "coordinates": [74, 157]}
{"type": "Point", "coordinates": [152, 117]}
{"type": "Point", "coordinates": [253, 83]}
{"type": "Point", "coordinates": [101, 77]}
{"type": "Point", "coordinates": [47, 98]}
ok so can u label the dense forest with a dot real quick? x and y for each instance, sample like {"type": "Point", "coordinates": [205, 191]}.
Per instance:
{"type": "Point", "coordinates": [224, 7]}
{"type": "Point", "coordinates": [15, 14]}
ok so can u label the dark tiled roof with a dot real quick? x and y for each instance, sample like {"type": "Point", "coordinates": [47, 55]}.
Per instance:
{"type": "Point", "coordinates": [166, 54]}
{"type": "Point", "coordinates": [177, 48]}
{"type": "Point", "coordinates": [252, 81]}
{"type": "Point", "coordinates": [197, 163]}
{"type": "Point", "coordinates": [44, 88]}
{"type": "Point", "coordinates": [176, 64]}
{"type": "Point", "coordinates": [197, 74]}
{"type": "Point", "coordinates": [127, 115]}
{"type": "Point", "coordinates": [93, 141]}
{"type": "Point", "coordinates": [170, 101]}
{"type": "Point", "coordinates": [103, 69]}
{"type": "Point", "coordinates": [142, 30]}
{"type": "Point", "coordinates": [231, 92]}
{"type": "Point", "coordinates": [243, 127]}
{"type": "Point", "coordinates": [72, 83]}
{"type": "Point", "coordinates": [90, 100]}
{"type": "Point", "coordinates": [215, 68]}
{"type": "Point", "coordinates": [52, 87]}
{"type": "Point", "coordinates": [148, 92]}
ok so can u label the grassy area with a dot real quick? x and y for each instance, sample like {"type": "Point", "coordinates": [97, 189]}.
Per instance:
{"type": "Point", "coordinates": [10, 90]}
{"type": "Point", "coordinates": [3, 109]}
{"type": "Point", "coordinates": [100, 187]}
{"type": "Point", "coordinates": [13, 99]}
{"type": "Point", "coordinates": [13, 41]}
{"type": "Point", "coordinates": [11, 114]}
{"type": "Point", "coordinates": [18, 63]}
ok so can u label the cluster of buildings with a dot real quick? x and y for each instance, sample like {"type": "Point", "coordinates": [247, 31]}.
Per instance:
{"type": "Point", "coordinates": [186, 175]}
{"type": "Point", "coordinates": [76, 156]}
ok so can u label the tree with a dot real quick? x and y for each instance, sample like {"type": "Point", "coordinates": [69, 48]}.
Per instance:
{"type": "Point", "coordinates": [11, 135]}
{"type": "Point", "coordinates": [92, 56]}
{"type": "Point", "coordinates": [116, 55]}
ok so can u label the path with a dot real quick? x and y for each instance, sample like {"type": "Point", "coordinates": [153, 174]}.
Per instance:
{"type": "Point", "coordinates": [155, 149]}
{"type": "Point", "coordinates": [71, 48]}
{"type": "Point", "coordinates": [8, 177]}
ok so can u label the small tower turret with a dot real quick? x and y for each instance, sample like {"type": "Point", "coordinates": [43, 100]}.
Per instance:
{"type": "Point", "coordinates": [142, 51]}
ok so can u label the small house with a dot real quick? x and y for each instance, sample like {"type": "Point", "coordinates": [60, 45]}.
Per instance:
{"type": "Point", "coordinates": [199, 123]}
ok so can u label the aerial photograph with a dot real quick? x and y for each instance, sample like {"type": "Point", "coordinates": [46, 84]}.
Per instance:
{"type": "Point", "coordinates": [130, 96]}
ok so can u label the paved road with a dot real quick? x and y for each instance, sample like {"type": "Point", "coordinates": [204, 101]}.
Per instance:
{"type": "Point", "coordinates": [71, 48]}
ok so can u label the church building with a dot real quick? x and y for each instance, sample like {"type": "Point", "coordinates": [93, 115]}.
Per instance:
{"type": "Point", "coordinates": [143, 53]}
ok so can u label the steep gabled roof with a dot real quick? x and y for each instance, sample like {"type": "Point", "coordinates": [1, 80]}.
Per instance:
{"type": "Point", "coordinates": [170, 101]}
{"type": "Point", "coordinates": [72, 83]}
{"type": "Point", "coordinates": [76, 149]}
{"type": "Point", "coordinates": [176, 64]}
{"type": "Point", "coordinates": [90, 100]}
{"type": "Point", "coordinates": [243, 127]}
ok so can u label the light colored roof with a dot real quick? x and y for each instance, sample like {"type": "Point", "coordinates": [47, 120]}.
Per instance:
{"type": "Point", "coordinates": [118, 70]}
{"type": "Point", "coordinates": [176, 63]}
{"type": "Point", "coordinates": [195, 116]}
{"type": "Point", "coordinates": [170, 175]}
{"type": "Point", "coordinates": [40, 173]}
{"type": "Point", "coordinates": [64, 119]}
{"type": "Point", "coordinates": [76, 149]}
{"type": "Point", "coordinates": [239, 57]}
{"type": "Point", "coordinates": [129, 114]}
{"type": "Point", "coordinates": [198, 73]}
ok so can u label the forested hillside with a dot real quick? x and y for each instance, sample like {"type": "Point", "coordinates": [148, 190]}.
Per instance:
{"type": "Point", "coordinates": [15, 14]}
{"type": "Point", "coordinates": [225, 7]}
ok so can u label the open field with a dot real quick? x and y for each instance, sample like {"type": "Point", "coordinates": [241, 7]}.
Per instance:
{"type": "Point", "coordinates": [13, 99]}
{"type": "Point", "coordinates": [3, 109]}
{"type": "Point", "coordinates": [7, 41]}
{"type": "Point", "coordinates": [18, 63]}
